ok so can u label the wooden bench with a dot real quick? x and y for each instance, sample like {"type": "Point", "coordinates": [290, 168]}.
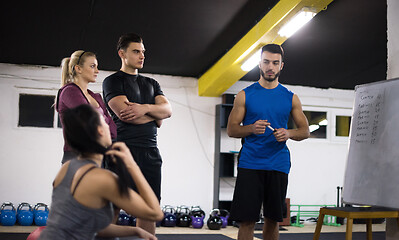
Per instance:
{"type": "Point", "coordinates": [351, 213]}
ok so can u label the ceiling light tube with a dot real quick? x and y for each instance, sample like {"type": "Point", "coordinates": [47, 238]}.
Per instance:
{"type": "Point", "coordinates": [323, 122]}
{"type": "Point", "coordinates": [313, 127]}
{"type": "Point", "coordinates": [251, 62]}
{"type": "Point", "coordinates": [295, 23]}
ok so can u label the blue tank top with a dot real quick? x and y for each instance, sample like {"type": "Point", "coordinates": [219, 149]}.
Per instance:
{"type": "Point", "coordinates": [68, 219]}
{"type": "Point", "coordinates": [262, 151]}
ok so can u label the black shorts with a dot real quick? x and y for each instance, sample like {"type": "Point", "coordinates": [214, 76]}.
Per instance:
{"type": "Point", "coordinates": [254, 187]}
{"type": "Point", "coordinates": [149, 160]}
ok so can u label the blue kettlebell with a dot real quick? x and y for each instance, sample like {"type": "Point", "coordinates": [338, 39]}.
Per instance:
{"type": "Point", "coordinates": [35, 208]}
{"type": "Point", "coordinates": [169, 219]}
{"type": "Point", "coordinates": [8, 216]}
{"type": "Point", "coordinates": [158, 223]}
{"type": "Point", "coordinates": [25, 216]}
{"type": "Point", "coordinates": [133, 221]}
{"type": "Point", "coordinates": [40, 213]}
{"type": "Point", "coordinates": [123, 219]}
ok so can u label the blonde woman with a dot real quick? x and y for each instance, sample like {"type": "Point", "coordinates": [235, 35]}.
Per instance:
{"type": "Point", "coordinates": [78, 70]}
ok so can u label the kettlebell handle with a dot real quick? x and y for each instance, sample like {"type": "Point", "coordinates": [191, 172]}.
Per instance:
{"type": "Point", "coordinates": [169, 209]}
{"type": "Point", "coordinates": [181, 208]}
{"type": "Point", "coordinates": [224, 213]}
{"type": "Point", "coordinates": [215, 211]}
{"type": "Point", "coordinates": [39, 205]}
{"type": "Point", "coordinates": [7, 204]}
{"type": "Point", "coordinates": [24, 204]}
{"type": "Point", "coordinates": [195, 208]}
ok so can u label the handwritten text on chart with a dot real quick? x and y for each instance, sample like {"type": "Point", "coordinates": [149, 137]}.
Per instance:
{"type": "Point", "coordinates": [367, 117]}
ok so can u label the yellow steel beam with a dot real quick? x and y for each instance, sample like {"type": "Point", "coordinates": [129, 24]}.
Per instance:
{"type": "Point", "coordinates": [227, 70]}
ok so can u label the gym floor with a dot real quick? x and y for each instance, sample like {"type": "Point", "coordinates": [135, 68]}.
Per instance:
{"type": "Point", "coordinates": [230, 231]}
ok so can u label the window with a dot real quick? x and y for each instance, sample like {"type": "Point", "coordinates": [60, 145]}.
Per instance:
{"type": "Point", "coordinates": [317, 123]}
{"type": "Point", "coordinates": [340, 125]}
{"type": "Point", "coordinates": [343, 124]}
{"type": "Point", "coordinates": [37, 111]}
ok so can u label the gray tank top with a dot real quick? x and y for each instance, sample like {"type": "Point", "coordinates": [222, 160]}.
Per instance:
{"type": "Point", "coordinates": [68, 219]}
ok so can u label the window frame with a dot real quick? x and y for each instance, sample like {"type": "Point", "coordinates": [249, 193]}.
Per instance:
{"type": "Point", "coordinates": [332, 112]}
{"type": "Point", "coordinates": [339, 112]}
{"type": "Point", "coordinates": [320, 109]}
{"type": "Point", "coordinates": [38, 92]}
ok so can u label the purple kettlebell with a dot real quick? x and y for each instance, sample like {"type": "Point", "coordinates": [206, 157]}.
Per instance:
{"type": "Point", "coordinates": [197, 221]}
{"type": "Point", "coordinates": [224, 215]}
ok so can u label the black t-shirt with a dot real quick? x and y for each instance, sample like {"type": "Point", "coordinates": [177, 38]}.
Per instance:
{"type": "Point", "coordinates": [137, 89]}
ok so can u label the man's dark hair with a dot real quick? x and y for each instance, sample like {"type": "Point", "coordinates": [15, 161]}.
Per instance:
{"type": "Point", "coordinates": [274, 48]}
{"type": "Point", "coordinates": [126, 39]}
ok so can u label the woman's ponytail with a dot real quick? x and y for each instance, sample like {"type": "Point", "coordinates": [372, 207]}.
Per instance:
{"type": "Point", "coordinates": [66, 75]}
{"type": "Point", "coordinates": [116, 165]}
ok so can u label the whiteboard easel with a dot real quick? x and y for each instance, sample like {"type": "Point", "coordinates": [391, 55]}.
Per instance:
{"type": "Point", "coordinates": [372, 170]}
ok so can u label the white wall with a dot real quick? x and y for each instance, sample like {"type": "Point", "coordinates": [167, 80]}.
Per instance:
{"type": "Point", "coordinates": [393, 41]}
{"type": "Point", "coordinates": [392, 228]}
{"type": "Point", "coordinates": [30, 157]}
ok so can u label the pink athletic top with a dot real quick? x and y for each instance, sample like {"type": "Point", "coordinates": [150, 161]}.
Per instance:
{"type": "Point", "coordinates": [70, 96]}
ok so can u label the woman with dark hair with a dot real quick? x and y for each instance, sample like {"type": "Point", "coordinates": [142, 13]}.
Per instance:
{"type": "Point", "coordinates": [78, 70]}
{"type": "Point", "coordinates": [83, 192]}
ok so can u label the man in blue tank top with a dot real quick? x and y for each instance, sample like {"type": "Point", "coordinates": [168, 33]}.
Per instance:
{"type": "Point", "coordinates": [259, 116]}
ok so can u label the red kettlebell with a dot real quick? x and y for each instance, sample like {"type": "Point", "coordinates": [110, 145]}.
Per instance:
{"type": "Point", "coordinates": [36, 233]}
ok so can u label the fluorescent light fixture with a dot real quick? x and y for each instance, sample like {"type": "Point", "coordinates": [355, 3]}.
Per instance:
{"type": "Point", "coordinates": [252, 61]}
{"type": "Point", "coordinates": [313, 127]}
{"type": "Point", "coordinates": [323, 122]}
{"type": "Point", "coordinates": [295, 23]}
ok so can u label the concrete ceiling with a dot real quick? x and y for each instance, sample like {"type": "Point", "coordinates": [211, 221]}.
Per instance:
{"type": "Point", "coordinates": [343, 46]}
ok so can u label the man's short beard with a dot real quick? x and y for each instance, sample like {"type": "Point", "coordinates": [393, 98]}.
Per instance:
{"type": "Point", "coordinates": [268, 78]}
